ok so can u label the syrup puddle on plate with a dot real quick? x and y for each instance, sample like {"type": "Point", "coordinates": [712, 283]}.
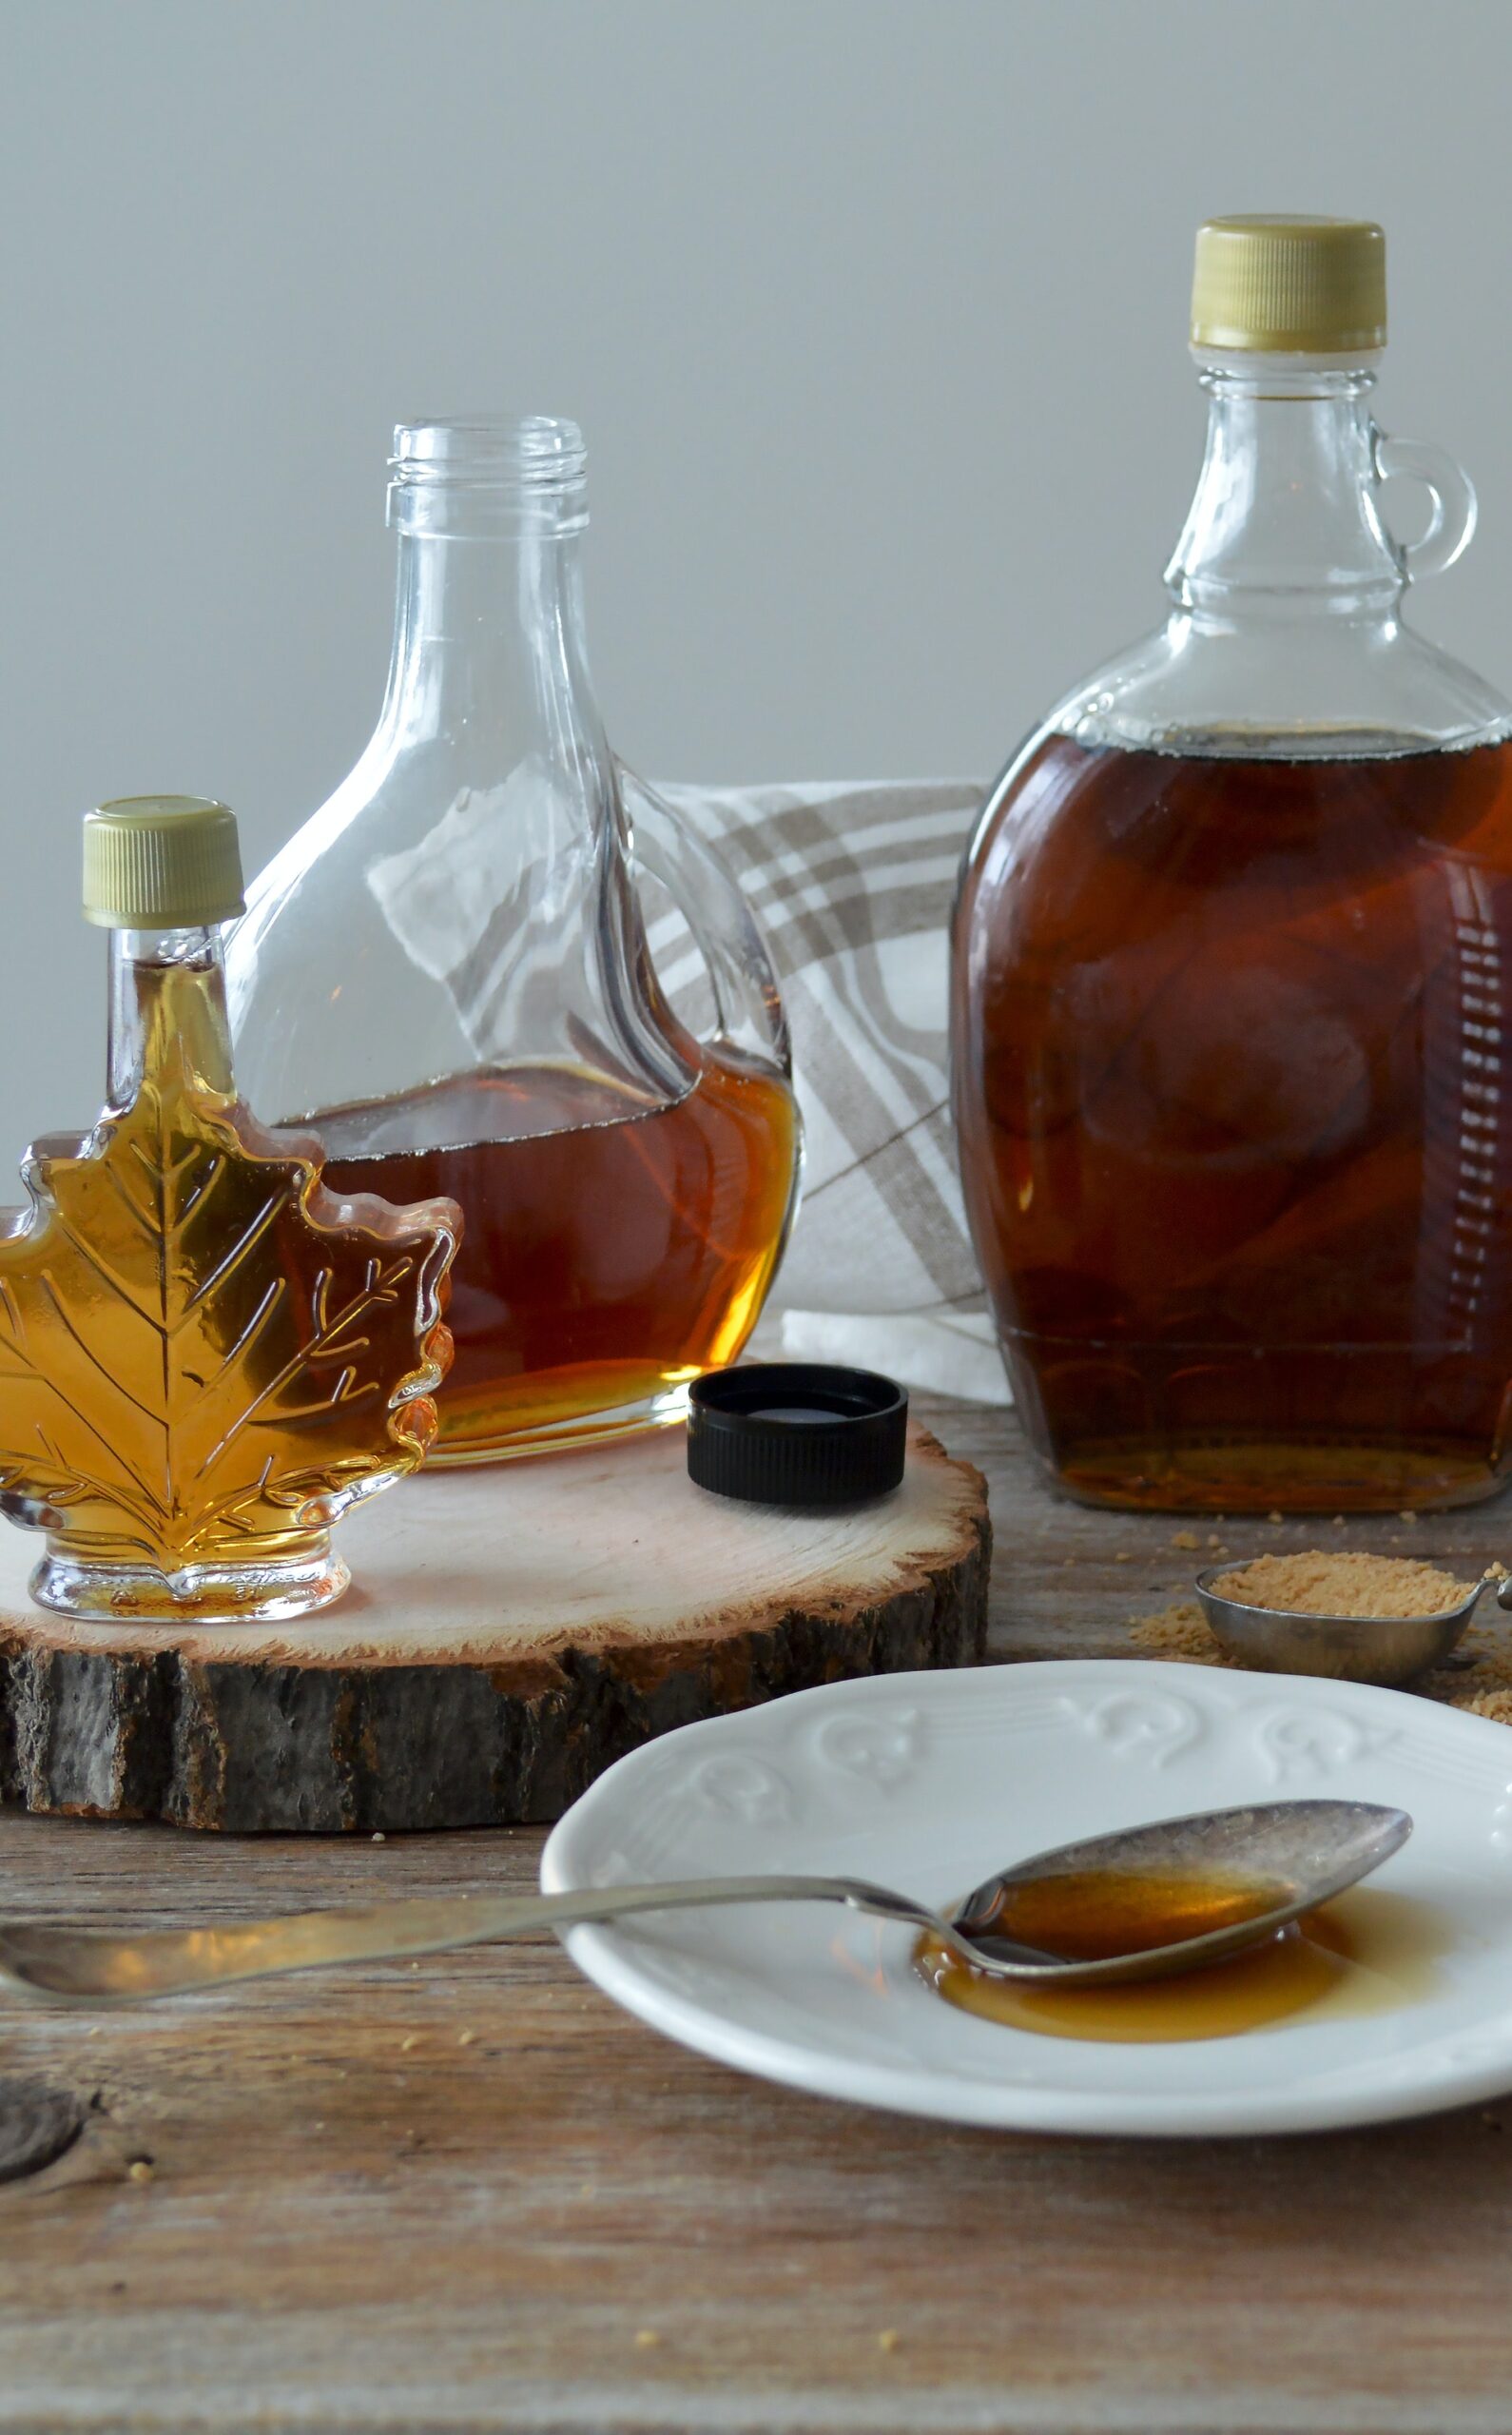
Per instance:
{"type": "Point", "coordinates": [1364, 1951]}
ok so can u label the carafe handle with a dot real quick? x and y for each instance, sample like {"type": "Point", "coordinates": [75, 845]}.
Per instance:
{"type": "Point", "coordinates": [1451, 523]}
{"type": "Point", "coordinates": [747, 1004]}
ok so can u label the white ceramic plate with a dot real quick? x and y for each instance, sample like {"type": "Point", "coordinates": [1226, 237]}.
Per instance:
{"type": "Point", "coordinates": [926, 1781]}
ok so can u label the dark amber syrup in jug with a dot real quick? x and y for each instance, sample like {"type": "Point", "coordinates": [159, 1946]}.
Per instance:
{"type": "Point", "coordinates": [1230, 1093]}
{"type": "Point", "coordinates": [1228, 1006]}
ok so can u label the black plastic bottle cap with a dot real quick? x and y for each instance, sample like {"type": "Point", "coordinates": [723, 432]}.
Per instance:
{"type": "Point", "coordinates": [796, 1433]}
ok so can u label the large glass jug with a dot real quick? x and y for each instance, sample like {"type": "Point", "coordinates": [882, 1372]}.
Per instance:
{"type": "Point", "coordinates": [1230, 973]}
{"type": "Point", "coordinates": [445, 975]}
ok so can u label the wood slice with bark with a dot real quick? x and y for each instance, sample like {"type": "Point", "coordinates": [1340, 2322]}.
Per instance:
{"type": "Point", "coordinates": [510, 1632]}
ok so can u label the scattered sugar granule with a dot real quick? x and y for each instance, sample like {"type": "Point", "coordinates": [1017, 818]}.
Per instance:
{"type": "Point", "coordinates": [1275, 1517]}
{"type": "Point", "coordinates": [889, 2340]}
{"type": "Point", "coordinates": [408, 2045]}
{"type": "Point", "coordinates": [1496, 1704]}
{"type": "Point", "coordinates": [468, 2037]}
{"type": "Point", "coordinates": [1177, 1631]}
{"type": "Point", "coordinates": [381, 1839]}
{"type": "Point", "coordinates": [140, 2169]}
{"type": "Point", "coordinates": [1185, 1539]}
{"type": "Point", "coordinates": [1121, 1555]}
{"type": "Point", "coordinates": [648, 2338]}
{"type": "Point", "coordinates": [1343, 1584]}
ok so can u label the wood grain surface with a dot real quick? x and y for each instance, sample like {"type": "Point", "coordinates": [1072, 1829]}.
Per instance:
{"type": "Point", "coordinates": [469, 2195]}
{"type": "Point", "coordinates": [510, 1632]}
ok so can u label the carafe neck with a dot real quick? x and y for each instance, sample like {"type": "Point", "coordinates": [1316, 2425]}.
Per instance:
{"type": "Point", "coordinates": [487, 647]}
{"type": "Point", "coordinates": [1285, 524]}
{"type": "Point", "coordinates": [489, 656]}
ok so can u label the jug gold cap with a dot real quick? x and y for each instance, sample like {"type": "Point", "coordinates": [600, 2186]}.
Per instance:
{"type": "Point", "coordinates": [161, 862]}
{"type": "Point", "coordinates": [1264, 285]}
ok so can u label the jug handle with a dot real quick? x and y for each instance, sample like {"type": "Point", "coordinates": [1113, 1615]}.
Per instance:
{"type": "Point", "coordinates": [1452, 522]}
{"type": "Point", "coordinates": [747, 1004]}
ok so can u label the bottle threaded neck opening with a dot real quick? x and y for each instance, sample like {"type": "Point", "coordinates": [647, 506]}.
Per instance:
{"type": "Point", "coordinates": [473, 475]}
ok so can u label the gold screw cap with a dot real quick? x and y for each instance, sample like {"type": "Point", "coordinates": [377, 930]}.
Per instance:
{"type": "Point", "coordinates": [1268, 285]}
{"type": "Point", "coordinates": [161, 862]}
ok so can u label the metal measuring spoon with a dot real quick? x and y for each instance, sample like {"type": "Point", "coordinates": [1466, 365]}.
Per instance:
{"type": "Point", "coordinates": [1291, 1854]}
{"type": "Point", "coordinates": [1388, 1650]}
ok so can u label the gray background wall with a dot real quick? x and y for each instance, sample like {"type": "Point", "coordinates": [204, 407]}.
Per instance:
{"type": "Point", "coordinates": [873, 314]}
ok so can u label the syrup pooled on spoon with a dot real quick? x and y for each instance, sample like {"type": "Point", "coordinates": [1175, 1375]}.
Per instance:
{"type": "Point", "coordinates": [1092, 1914]}
{"type": "Point", "coordinates": [1363, 1952]}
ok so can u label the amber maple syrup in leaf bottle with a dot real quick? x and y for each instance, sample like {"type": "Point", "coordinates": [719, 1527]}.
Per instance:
{"type": "Point", "coordinates": [1231, 972]}
{"type": "Point", "coordinates": [445, 975]}
{"type": "Point", "coordinates": [205, 1355]}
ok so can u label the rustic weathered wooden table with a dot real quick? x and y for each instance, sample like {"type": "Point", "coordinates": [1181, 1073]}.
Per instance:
{"type": "Point", "coordinates": [468, 2193]}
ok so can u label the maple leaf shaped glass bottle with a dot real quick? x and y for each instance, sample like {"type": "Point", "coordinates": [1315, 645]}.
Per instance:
{"type": "Point", "coordinates": [445, 974]}
{"type": "Point", "coordinates": [206, 1356]}
{"type": "Point", "coordinates": [1231, 972]}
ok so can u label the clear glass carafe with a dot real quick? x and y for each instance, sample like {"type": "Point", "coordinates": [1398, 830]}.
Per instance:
{"type": "Point", "coordinates": [1232, 966]}
{"type": "Point", "coordinates": [445, 976]}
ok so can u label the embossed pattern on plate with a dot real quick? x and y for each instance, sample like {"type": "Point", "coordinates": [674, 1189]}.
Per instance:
{"type": "Point", "coordinates": [926, 1781]}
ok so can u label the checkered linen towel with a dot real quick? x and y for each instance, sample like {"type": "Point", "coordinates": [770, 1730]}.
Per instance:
{"type": "Point", "coordinates": [852, 886]}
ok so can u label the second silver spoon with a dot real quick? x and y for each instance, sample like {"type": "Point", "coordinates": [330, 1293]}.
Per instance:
{"type": "Point", "coordinates": [1295, 1852]}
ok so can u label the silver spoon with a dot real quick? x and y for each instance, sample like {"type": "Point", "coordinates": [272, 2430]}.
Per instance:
{"type": "Point", "coordinates": [1297, 1852]}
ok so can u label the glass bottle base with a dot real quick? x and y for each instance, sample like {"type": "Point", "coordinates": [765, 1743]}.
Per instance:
{"type": "Point", "coordinates": [270, 1592]}
{"type": "Point", "coordinates": [506, 1434]}
{"type": "Point", "coordinates": [1264, 1475]}
{"type": "Point", "coordinates": [1185, 1428]}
